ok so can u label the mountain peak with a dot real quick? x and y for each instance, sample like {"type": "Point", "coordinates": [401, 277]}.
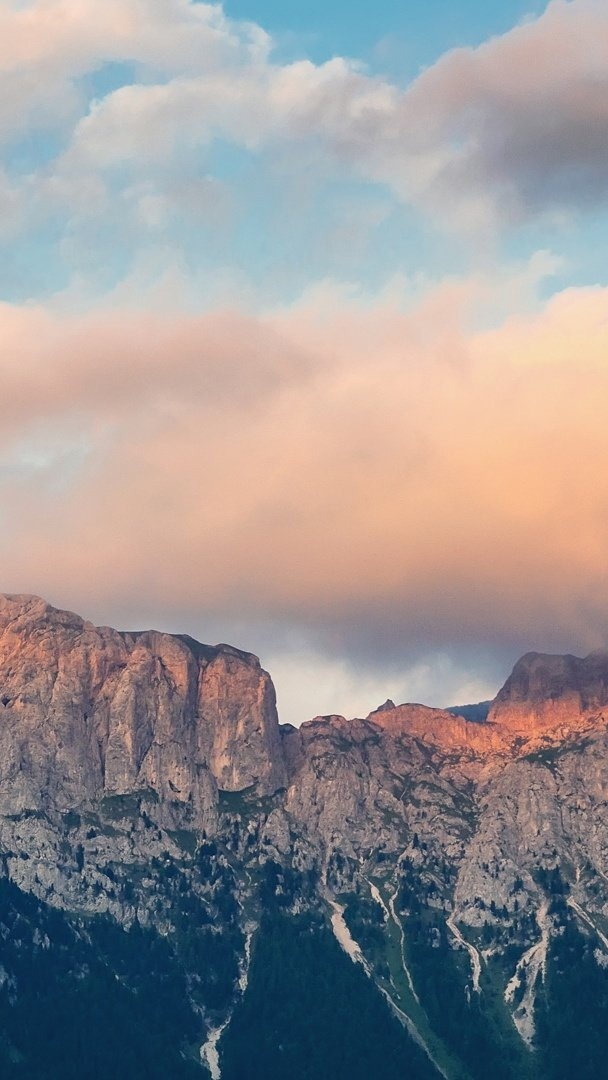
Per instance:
{"type": "Point", "coordinates": [546, 692]}
{"type": "Point", "coordinates": [385, 707]}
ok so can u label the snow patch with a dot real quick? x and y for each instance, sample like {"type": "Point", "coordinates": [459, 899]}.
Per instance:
{"type": "Point", "coordinates": [377, 896]}
{"type": "Point", "coordinates": [390, 913]}
{"type": "Point", "coordinates": [472, 951]}
{"type": "Point", "coordinates": [401, 929]}
{"type": "Point", "coordinates": [345, 938]}
{"type": "Point", "coordinates": [352, 948]}
{"type": "Point", "coordinates": [209, 1053]}
{"type": "Point", "coordinates": [533, 964]}
{"type": "Point", "coordinates": [584, 917]}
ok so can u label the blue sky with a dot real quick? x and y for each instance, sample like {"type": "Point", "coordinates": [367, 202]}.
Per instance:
{"type": "Point", "coordinates": [394, 38]}
{"type": "Point", "coordinates": [356, 220]}
{"type": "Point", "coordinates": [303, 323]}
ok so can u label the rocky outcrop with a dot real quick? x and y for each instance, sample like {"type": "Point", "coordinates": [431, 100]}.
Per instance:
{"type": "Point", "coordinates": [552, 694]}
{"type": "Point", "coordinates": [131, 761]}
{"type": "Point", "coordinates": [438, 727]}
{"type": "Point", "coordinates": [87, 712]}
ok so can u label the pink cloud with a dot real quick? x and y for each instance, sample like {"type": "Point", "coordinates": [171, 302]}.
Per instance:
{"type": "Point", "coordinates": [355, 469]}
{"type": "Point", "coordinates": [47, 45]}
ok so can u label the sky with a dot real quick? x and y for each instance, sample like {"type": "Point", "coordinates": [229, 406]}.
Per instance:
{"type": "Point", "coordinates": [304, 331]}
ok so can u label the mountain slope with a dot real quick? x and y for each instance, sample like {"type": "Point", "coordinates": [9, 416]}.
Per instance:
{"type": "Point", "coordinates": [148, 794]}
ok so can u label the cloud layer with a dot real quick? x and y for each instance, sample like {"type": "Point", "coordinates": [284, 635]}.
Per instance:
{"type": "Point", "coordinates": [130, 96]}
{"type": "Point", "coordinates": [382, 477]}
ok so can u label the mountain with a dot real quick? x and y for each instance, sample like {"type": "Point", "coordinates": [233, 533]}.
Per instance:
{"type": "Point", "coordinates": [189, 888]}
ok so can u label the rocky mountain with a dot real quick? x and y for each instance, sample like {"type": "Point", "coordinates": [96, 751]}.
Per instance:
{"type": "Point", "coordinates": [415, 893]}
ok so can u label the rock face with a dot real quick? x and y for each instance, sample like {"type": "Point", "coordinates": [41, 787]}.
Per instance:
{"type": "Point", "coordinates": [123, 754]}
{"type": "Point", "coordinates": [87, 712]}
{"type": "Point", "coordinates": [437, 727]}
{"type": "Point", "coordinates": [549, 693]}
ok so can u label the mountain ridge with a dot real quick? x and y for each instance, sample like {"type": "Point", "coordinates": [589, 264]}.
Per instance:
{"type": "Point", "coordinates": [543, 683]}
{"type": "Point", "coordinates": [145, 779]}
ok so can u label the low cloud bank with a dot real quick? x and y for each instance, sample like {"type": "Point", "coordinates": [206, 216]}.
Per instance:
{"type": "Point", "coordinates": [382, 482]}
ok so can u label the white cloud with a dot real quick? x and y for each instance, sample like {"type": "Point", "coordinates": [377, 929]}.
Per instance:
{"type": "Point", "coordinates": [486, 135]}
{"type": "Point", "coordinates": [46, 46]}
{"type": "Point", "coordinates": [517, 126]}
{"type": "Point", "coordinates": [310, 684]}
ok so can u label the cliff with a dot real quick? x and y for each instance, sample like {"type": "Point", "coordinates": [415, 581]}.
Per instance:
{"type": "Point", "coordinates": [86, 711]}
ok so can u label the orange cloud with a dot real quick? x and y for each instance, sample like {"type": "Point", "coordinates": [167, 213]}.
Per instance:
{"type": "Point", "coordinates": [383, 475]}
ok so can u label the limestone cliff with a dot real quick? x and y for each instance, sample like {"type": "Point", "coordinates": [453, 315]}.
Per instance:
{"type": "Point", "coordinates": [86, 711]}
{"type": "Point", "coordinates": [552, 694]}
{"type": "Point", "coordinates": [137, 769]}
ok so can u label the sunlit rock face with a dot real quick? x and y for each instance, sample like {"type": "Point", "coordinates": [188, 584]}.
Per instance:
{"type": "Point", "coordinates": [87, 711]}
{"type": "Point", "coordinates": [238, 728]}
{"type": "Point", "coordinates": [437, 727]}
{"type": "Point", "coordinates": [549, 694]}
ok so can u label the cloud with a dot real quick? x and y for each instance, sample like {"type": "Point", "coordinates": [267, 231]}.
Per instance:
{"type": "Point", "coordinates": [513, 128]}
{"type": "Point", "coordinates": [492, 135]}
{"type": "Point", "coordinates": [387, 481]}
{"type": "Point", "coordinates": [108, 366]}
{"type": "Point", "coordinates": [521, 121]}
{"type": "Point", "coordinates": [48, 46]}
{"type": "Point", "coordinates": [173, 36]}
{"type": "Point", "coordinates": [310, 684]}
